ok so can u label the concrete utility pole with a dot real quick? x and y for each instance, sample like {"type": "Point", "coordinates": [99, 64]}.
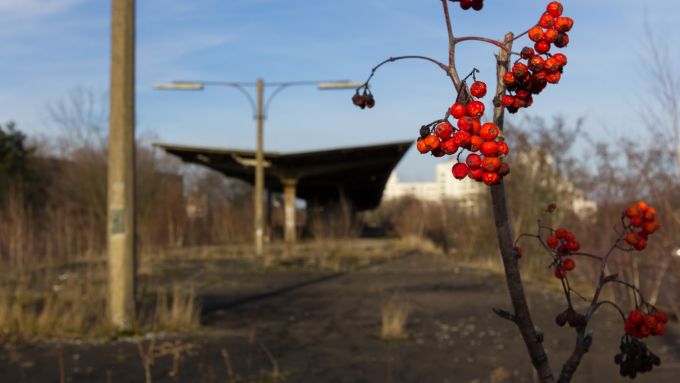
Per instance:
{"type": "Point", "coordinates": [121, 176]}
{"type": "Point", "coordinates": [259, 172]}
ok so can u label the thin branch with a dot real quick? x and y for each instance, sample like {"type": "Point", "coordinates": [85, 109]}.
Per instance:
{"type": "Point", "coordinates": [453, 73]}
{"type": "Point", "coordinates": [601, 303]}
{"type": "Point", "coordinates": [525, 324]}
{"type": "Point", "coordinates": [505, 315]}
{"type": "Point", "coordinates": [521, 34]}
{"type": "Point", "coordinates": [588, 255]}
{"type": "Point", "coordinates": [482, 39]}
{"type": "Point", "coordinates": [583, 343]}
{"type": "Point", "coordinates": [393, 59]}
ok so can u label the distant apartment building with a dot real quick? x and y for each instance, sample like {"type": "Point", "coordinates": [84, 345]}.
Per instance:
{"type": "Point", "coordinates": [443, 188]}
{"type": "Point", "coordinates": [466, 192]}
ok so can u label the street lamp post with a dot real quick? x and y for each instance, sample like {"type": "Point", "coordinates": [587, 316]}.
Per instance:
{"type": "Point", "coordinates": [260, 108]}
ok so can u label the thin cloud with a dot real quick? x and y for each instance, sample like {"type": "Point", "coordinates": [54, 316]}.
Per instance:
{"type": "Point", "coordinates": [35, 8]}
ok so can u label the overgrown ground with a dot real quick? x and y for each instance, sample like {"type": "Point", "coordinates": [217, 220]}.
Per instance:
{"type": "Point", "coordinates": [317, 318]}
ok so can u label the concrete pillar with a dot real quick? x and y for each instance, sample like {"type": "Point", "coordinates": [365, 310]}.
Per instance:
{"type": "Point", "coordinates": [121, 177]}
{"type": "Point", "coordinates": [289, 193]}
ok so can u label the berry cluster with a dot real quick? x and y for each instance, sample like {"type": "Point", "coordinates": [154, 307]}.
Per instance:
{"type": "Point", "coordinates": [477, 5]}
{"type": "Point", "coordinates": [572, 317]}
{"type": "Point", "coordinates": [563, 242]}
{"type": "Point", "coordinates": [641, 223]}
{"type": "Point", "coordinates": [635, 358]}
{"type": "Point", "coordinates": [470, 134]}
{"type": "Point", "coordinates": [363, 100]}
{"type": "Point", "coordinates": [641, 325]}
{"type": "Point", "coordinates": [540, 69]}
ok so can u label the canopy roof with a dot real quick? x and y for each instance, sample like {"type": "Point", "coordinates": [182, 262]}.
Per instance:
{"type": "Point", "coordinates": [323, 176]}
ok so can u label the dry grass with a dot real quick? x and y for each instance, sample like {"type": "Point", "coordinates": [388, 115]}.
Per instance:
{"type": "Point", "coordinates": [64, 305]}
{"type": "Point", "coordinates": [178, 313]}
{"type": "Point", "coordinates": [72, 304]}
{"type": "Point", "coordinates": [395, 313]}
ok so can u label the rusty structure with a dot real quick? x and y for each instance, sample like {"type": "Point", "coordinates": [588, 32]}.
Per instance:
{"type": "Point", "coordinates": [323, 178]}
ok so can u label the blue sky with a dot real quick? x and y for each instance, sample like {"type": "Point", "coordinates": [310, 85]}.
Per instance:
{"type": "Point", "coordinates": [50, 47]}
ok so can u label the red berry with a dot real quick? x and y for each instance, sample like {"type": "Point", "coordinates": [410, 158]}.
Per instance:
{"type": "Point", "coordinates": [659, 329]}
{"type": "Point", "coordinates": [637, 221]}
{"type": "Point", "coordinates": [432, 142]}
{"type": "Point", "coordinates": [661, 317]}
{"type": "Point", "coordinates": [489, 149]}
{"type": "Point", "coordinates": [536, 34]}
{"type": "Point", "coordinates": [550, 35]}
{"type": "Point", "coordinates": [650, 227]}
{"type": "Point", "coordinates": [503, 148]}
{"type": "Point", "coordinates": [438, 152]}
{"type": "Point", "coordinates": [554, 77]}
{"type": "Point", "coordinates": [475, 143]}
{"type": "Point", "coordinates": [561, 233]}
{"type": "Point", "coordinates": [466, 4]}
{"type": "Point", "coordinates": [640, 245]}
{"type": "Point", "coordinates": [477, 5]}
{"type": "Point", "coordinates": [520, 70]}
{"type": "Point", "coordinates": [490, 178]}
{"type": "Point", "coordinates": [555, 9]}
{"type": "Point", "coordinates": [551, 65]}
{"type": "Point", "coordinates": [449, 146]}
{"type": "Point", "coordinates": [474, 161]}
{"type": "Point", "coordinates": [444, 130]}
{"type": "Point", "coordinates": [507, 100]}
{"type": "Point", "coordinates": [636, 317]}
{"type": "Point", "coordinates": [461, 138]}
{"type": "Point", "coordinates": [491, 164]}
{"type": "Point", "coordinates": [475, 109]}
{"type": "Point", "coordinates": [536, 63]}
{"type": "Point", "coordinates": [560, 273]}
{"type": "Point", "coordinates": [489, 131]}
{"type": "Point", "coordinates": [642, 206]}
{"type": "Point", "coordinates": [650, 321]}
{"type": "Point", "coordinates": [476, 126]}
{"type": "Point", "coordinates": [476, 174]}
{"type": "Point", "coordinates": [458, 110]}
{"type": "Point", "coordinates": [573, 246]}
{"type": "Point", "coordinates": [561, 59]}
{"type": "Point", "coordinates": [509, 80]}
{"type": "Point", "coordinates": [562, 40]}
{"type": "Point", "coordinates": [644, 331]}
{"type": "Point", "coordinates": [546, 20]}
{"type": "Point", "coordinates": [542, 47]}
{"type": "Point", "coordinates": [478, 89]}
{"type": "Point", "coordinates": [465, 124]}
{"type": "Point", "coordinates": [631, 211]}
{"type": "Point", "coordinates": [563, 24]}
{"type": "Point", "coordinates": [632, 238]}
{"type": "Point", "coordinates": [422, 146]}
{"type": "Point", "coordinates": [569, 264]}
{"type": "Point", "coordinates": [527, 53]}
{"type": "Point", "coordinates": [504, 170]}
{"type": "Point", "coordinates": [552, 242]}
{"type": "Point", "coordinates": [459, 170]}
